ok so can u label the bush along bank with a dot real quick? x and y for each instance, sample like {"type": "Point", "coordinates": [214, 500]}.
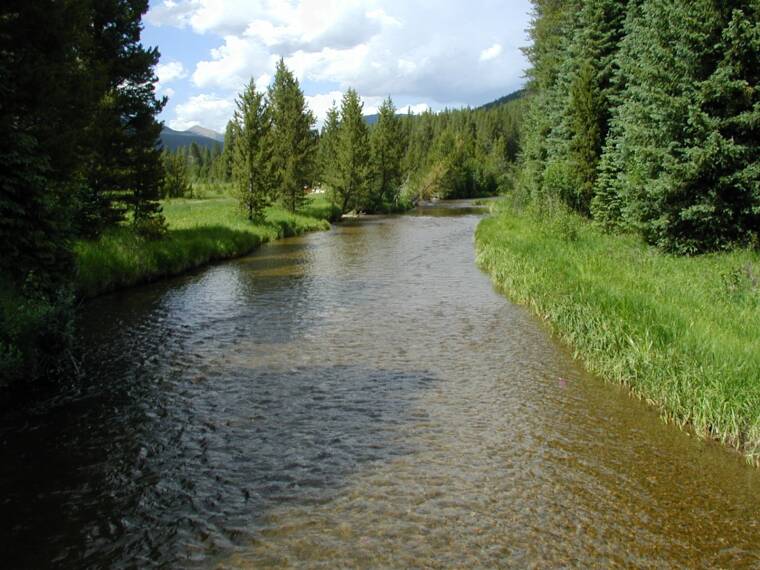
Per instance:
{"type": "Point", "coordinates": [682, 333]}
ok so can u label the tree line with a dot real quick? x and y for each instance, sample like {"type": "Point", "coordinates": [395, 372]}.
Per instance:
{"type": "Point", "coordinates": [644, 116]}
{"type": "Point", "coordinates": [273, 152]}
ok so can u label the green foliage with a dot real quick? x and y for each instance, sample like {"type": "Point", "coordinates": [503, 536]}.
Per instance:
{"type": "Point", "coordinates": [35, 330]}
{"type": "Point", "coordinates": [79, 148]}
{"type": "Point", "coordinates": [176, 181]}
{"type": "Point", "coordinates": [252, 159]}
{"type": "Point", "coordinates": [350, 176]}
{"type": "Point", "coordinates": [644, 116]}
{"type": "Point", "coordinates": [328, 145]}
{"type": "Point", "coordinates": [681, 332]}
{"type": "Point", "coordinates": [123, 168]}
{"type": "Point", "coordinates": [387, 146]}
{"type": "Point", "coordinates": [452, 154]}
{"type": "Point", "coordinates": [293, 139]}
{"type": "Point", "coordinates": [45, 97]}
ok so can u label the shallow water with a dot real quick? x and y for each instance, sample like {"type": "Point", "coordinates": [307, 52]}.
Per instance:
{"type": "Point", "coordinates": [354, 398]}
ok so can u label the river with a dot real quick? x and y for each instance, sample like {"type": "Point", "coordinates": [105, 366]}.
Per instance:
{"type": "Point", "coordinates": [355, 398]}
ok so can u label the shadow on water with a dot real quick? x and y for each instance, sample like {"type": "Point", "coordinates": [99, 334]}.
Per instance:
{"type": "Point", "coordinates": [363, 386]}
{"type": "Point", "coordinates": [163, 469]}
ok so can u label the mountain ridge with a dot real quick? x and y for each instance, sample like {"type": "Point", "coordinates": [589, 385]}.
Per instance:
{"type": "Point", "coordinates": [172, 139]}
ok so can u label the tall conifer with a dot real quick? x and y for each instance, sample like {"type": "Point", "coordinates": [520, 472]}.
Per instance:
{"type": "Point", "coordinates": [252, 156]}
{"type": "Point", "coordinates": [293, 138]}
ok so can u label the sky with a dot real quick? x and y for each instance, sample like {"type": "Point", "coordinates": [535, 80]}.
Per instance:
{"type": "Point", "coordinates": [424, 53]}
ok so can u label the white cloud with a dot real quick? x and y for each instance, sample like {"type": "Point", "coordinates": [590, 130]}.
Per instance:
{"type": "Point", "coordinates": [233, 64]}
{"type": "Point", "coordinates": [168, 91]}
{"type": "Point", "coordinates": [321, 103]}
{"type": "Point", "coordinates": [417, 109]}
{"type": "Point", "coordinates": [406, 49]}
{"type": "Point", "coordinates": [205, 110]}
{"type": "Point", "coordinates": [491, 53]}
{"type": "Point", "coordinates": [171, 13]}
{"type": "Point", "coordinates": [170, 71]}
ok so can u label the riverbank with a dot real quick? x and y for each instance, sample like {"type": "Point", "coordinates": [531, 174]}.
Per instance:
{"type": "Point", "coordinates": [35, 332]}
{"type": "Point", "coordinates": [200, 232]}
{"type": "Point", "coordinates": [681, 333]}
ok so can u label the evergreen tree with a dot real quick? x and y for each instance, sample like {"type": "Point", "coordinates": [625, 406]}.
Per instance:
{"type": "Point", "coordinates": [352, 168]}
{"type": "Point", "coordinates": [677, 168]}
{"type": "Point", "coordinates": [292, 136]}
{"type": "Point", "coordinates": [176, 181]}
{"type": "Point", "coordinates": [46, 98]}
{"type": "Point", "coordinates": [124, 170]}
{"type": "Point", "coordinates": [328, 145]}
{"type": "Point", "coordinates": [252, 157]}
{"type": "Point", "coordinates": [387, 144]}
{"type": "Point", "coordinates": [551, 32]}
{"type": "Point", "coordinates": [228, 152]}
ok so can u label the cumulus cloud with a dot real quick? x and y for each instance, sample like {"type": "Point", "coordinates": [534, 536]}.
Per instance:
{"type": "Point", "coordinates": [378, 46]}
{"type": "Point", "coordinates": [415, 52]}
{"type": "Point", "coordinates": [233, 64]}
{"type": "Point", "coordinates": [205, 110]}
{"type": "Point", "coordinates": [170, 71]}
{"type": "Point", "coordinates": [491, 53]}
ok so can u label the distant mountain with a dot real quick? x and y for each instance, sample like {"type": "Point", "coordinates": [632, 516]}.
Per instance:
{"type": "Point", "coordinates": [198, 130]}
{"type": "Point", "coordinates": [172, 140]}
{"type": "Point", "coordinates": [519, 94]}
{"type": "Point", "coordinates": [371, 119]}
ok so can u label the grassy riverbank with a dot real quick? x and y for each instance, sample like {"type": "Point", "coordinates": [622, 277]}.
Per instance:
{"type": "Point", "coordinates": [34, 330]}
{"type": "Point", "coordinates": [200, 231]}
{"type": "Point", "coordinates": [681, 333]}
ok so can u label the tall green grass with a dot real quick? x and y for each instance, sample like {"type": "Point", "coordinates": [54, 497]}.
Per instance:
{"type": "Point", "coordinates": [200, 231]}
{"type": "Point", "coordinates": [682, 333]}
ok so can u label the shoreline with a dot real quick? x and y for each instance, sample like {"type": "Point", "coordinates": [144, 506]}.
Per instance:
{"type": "Point", "coordinates": [120, 259]}
{"type": "Point", "coordinates": [679, 333]}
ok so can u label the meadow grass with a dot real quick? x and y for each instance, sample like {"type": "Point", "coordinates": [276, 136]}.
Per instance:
{"type": "Point", "coordinates": [682, 333]}
{"type": "Point", "coordinates": [200, 232]}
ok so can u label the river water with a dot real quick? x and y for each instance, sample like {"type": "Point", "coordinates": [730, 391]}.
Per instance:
{"type": "Point", "coordinates": [354, 398]}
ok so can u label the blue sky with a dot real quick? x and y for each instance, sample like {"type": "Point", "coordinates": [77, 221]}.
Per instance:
{"type": "Point", "coordinates": [425, 54]}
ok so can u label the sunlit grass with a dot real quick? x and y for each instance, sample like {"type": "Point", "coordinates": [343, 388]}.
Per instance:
{"type": "Point", "coordinates": [200, 231]}
{"type": "Point", "coordinates": [681, 333]}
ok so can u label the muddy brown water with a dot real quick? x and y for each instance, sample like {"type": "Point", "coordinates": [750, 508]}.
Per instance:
{"type": "Point", "coordinates": [355, 398]}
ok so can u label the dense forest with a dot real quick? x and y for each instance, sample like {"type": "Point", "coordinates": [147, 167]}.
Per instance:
{"type": "Point", "coordinates": [645, 117]}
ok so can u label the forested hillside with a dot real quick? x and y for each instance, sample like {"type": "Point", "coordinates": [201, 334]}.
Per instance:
{"type": "Point", "coordinates": [645, 116]}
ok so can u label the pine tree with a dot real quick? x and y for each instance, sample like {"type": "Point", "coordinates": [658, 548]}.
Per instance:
{"type": "Point", "coordinates": [292, 136]}
{"type": "Point", "coordinates": [673, 168]}
{"type": "Point", "coordinates": [176, 181]}
{"type": "Point", "coordinates": [387, 144]}
{"type": "Point", "coordinates": [352, 168]}
{"type": "Point", "coordinates": [228, 151]}
{"type": "Point", "coordinates": [328, 146]}
{"type": "Point", "coordinates": [47, 95]}
{"type": "Point", "coordinates": [551, 31]}
{"type": "Point", "coordinates": [124, 170]}
{"type": "Point", "coordinates": [252, 156]}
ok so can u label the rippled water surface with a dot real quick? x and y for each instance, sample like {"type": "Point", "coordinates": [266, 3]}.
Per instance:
{"type": "Point", "coordinates": [354, 398]}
